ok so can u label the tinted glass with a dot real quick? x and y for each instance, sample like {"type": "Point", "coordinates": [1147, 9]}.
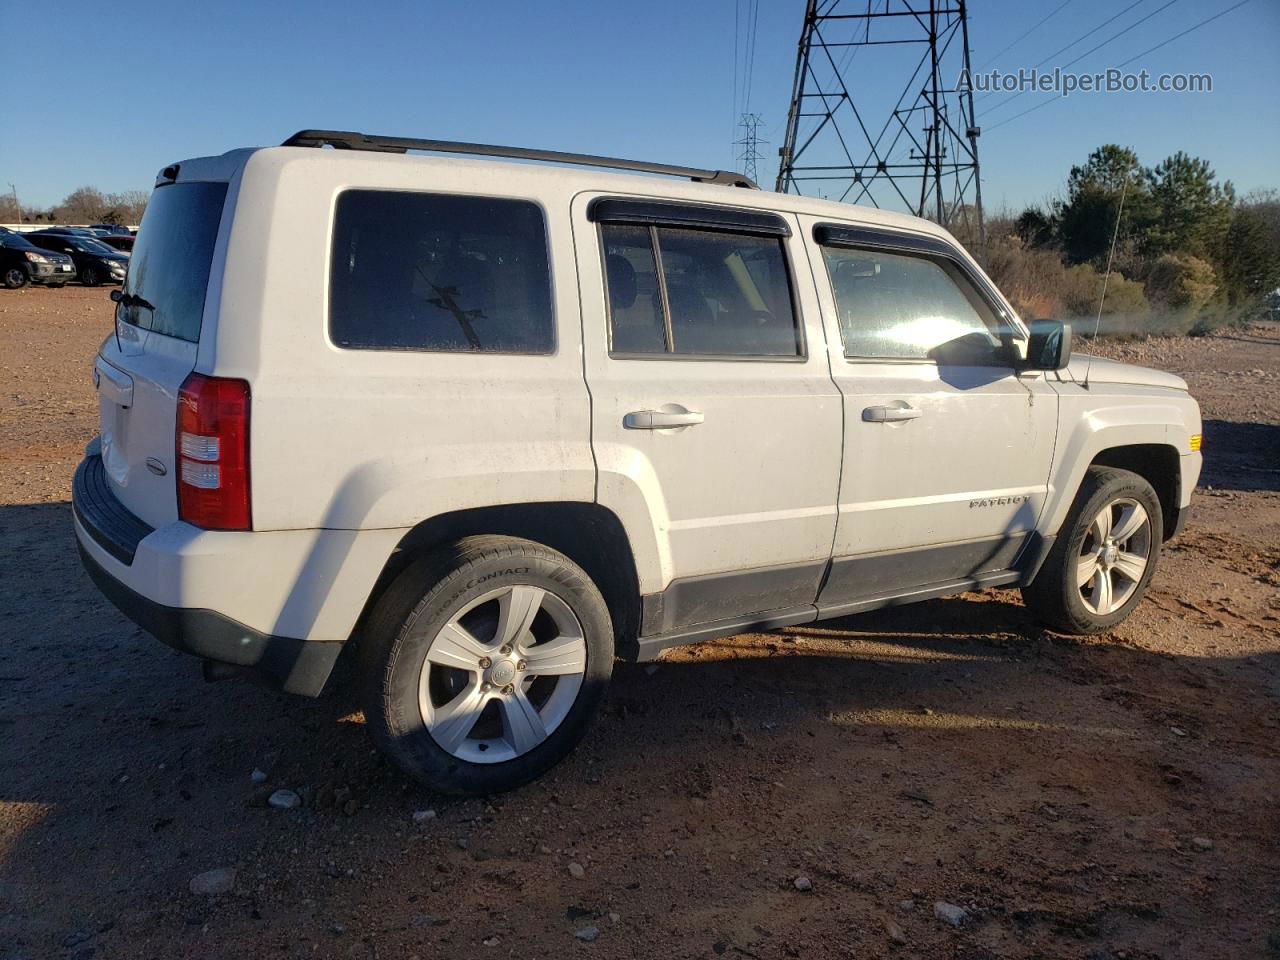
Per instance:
{"type": "Point", "coordinates": [92, 246]}
{"type": "Point", "coordinates": [169, 272]}
{"type": "Point", "coordinates": [729, 294]}
{"type": "Point", "coordinates": [422, 271]}
{"type": "Point", "coordinates": [636, 323]}
{"type": "Point", "coordinates": [907, 307]}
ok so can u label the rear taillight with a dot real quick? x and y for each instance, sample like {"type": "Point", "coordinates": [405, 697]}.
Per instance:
{"type": "Point", "coordinates": [213, 453]}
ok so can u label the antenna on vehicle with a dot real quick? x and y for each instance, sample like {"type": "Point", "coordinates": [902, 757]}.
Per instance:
{"type": "Point", "coordinates": [1115, 234]}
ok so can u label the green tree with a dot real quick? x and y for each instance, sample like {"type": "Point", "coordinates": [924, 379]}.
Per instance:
{"type": "Point", "coordinates": [1251, 255]}
{"type": "Point", "coordinates": [1192, 211]}
{"type": "Point", "coordinates": [1086, 220]}
{"type": "Point", "coordinates": [1035, 228]}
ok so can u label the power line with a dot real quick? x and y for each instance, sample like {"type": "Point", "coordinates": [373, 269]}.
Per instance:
{"type": "Point", "coordinates": [733, 110]}
{"type": "Point", "coordinates": [1095, 49]}
{"type": "Point", "coordinates": [1083, 36]}
{"type": "Point", "coordinates": [1177, 36]}
{"type": "Point", "coordinates": [1030, 30]}
{"type": "Point", "coordinates": [752, 32]}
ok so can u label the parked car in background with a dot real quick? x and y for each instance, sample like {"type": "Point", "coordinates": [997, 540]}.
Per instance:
{"type": "Point", "coordinates": [21, 263]}
{"type": "Point", "coordinates": [67, 231]}
{"type": "Point", "coordinates": [95, 262]}
{"type": "Point", "coordinates": [110, 229]}
{"type": "Point", "coordinates": [119, 241]}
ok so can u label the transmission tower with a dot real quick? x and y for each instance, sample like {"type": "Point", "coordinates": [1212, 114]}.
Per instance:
{"type": "Point", "coordinates": [847, 138]}
{"type": "Point", "coordinates": [750, 144]}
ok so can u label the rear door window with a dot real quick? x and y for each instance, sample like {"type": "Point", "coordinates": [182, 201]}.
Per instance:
{"type": "Point", "coordinates": [169, 271]}
{"type": "Point", "coordinates": [692, 292]}
{"type": "Point", "coordinates": [439, 272]}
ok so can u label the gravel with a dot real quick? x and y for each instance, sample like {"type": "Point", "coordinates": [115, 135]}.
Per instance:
{"type": "Point", "coordinates": [284, 800]}
{"type": "Point", "coordinates": [213, 882]}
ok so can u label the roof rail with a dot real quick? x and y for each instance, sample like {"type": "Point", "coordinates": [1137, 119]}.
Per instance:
{"type": "Point", "coordinates": [348, 140]}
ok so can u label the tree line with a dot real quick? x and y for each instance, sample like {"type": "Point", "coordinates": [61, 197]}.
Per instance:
{"type": "Point", "coordinates": [82, 205]}
{"type": "Point", "coordinates": [1190, 255]}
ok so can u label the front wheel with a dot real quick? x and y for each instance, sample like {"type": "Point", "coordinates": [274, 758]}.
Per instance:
{"type": "Point", "coordinates": [1104, 558]}
{"type": "Point", "coordinates": [15, 278]}
{"type": "Point", "coordinates": [484, 663]}
{"type": "Point", "coordinates": [89, 277]}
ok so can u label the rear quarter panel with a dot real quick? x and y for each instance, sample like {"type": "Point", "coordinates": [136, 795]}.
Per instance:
{"type": "Point", "coordinates": [364, 439]}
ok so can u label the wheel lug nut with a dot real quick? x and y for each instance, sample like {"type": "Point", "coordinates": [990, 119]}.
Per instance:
{"type": "Point", "coordinates": [521, 665]}
{"type": "Point", "coordinates": [508, 689]}
{"type": "Point", "coordinates": [485, 688]}
{"type": "Point", "coordinates": [485, 663]}
{"type": "Point", "coordinates": [505, 651]}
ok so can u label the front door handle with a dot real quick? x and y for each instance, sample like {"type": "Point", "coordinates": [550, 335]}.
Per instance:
{"type": "Point", "coordinates": [661, 419]}
{"type": "Point", "coordinates": [891, 413]}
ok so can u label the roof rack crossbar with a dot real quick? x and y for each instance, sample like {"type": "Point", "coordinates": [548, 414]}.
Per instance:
{"type": "Point", "coordinates": [348, 140]}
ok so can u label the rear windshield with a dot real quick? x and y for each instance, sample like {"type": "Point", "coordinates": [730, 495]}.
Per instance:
{"type": "Point", "coordinates": [169, 272]}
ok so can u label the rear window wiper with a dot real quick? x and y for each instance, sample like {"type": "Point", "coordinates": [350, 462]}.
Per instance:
{"type": "Point", "coordinates": [132, 300]}
{"type": "Point", "coordinates": [128, 300]}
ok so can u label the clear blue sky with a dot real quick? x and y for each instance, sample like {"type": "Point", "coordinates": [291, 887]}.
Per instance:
{"type": "Point", "coordinates": [652, 80]}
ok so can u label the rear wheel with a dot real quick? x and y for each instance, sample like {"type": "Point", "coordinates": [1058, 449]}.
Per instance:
{"type": "Point", "coordinates": [15, 278]}
{"type": "Point", "coordinates": [483, 664]}
{"type": "Point", "coordinates": [1104, 558]}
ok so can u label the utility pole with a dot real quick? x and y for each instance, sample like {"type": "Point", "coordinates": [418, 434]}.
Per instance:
{"type": "Point", "coordinates": [750, 142]}
{"type": "Point", "coordinates": [846, 136]}
{"type": "Point", "coordinates": [17, 208]}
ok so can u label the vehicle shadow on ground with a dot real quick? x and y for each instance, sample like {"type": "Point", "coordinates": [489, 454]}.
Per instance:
{"type": "Point", "coordinates": [119, 759]}
{"type": "Point", "coordinates": [1241, 456]}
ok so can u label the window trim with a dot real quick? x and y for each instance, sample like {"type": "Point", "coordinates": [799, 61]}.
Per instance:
{"type": "Point", "coordinates": [802, 346]}
{"type": "Point", "coordinates": [551, 275]}
{"type": "Point", "coordinates": [849, 237]}
{"type": "Point", "coordinates": [698, 216]}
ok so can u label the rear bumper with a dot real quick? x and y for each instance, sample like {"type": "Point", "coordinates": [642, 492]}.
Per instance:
{"type": "Point", "coordinates": [297, 666]}
{"type": "Point", "coordinates": [283, 602]}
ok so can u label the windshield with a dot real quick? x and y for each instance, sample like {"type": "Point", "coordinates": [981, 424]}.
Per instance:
{"type": "Point", "coordinates": [85, 245]}
{"type": "Point", "coordinates": [169, 271]}
{"type": "Point", "coordinates": [16, 240]}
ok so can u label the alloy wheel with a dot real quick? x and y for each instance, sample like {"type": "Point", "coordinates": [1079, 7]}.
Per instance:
{"type": "Point", "coordinates": [1114, 556]}
{"type": "Point", "coordinates": [502, 674]}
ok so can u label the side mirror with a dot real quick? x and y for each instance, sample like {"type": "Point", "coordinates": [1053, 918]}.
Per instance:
{"type": "Point", "coordinates": [116, 296]}
{"type": "Point", "coordinates": [1049, 347]}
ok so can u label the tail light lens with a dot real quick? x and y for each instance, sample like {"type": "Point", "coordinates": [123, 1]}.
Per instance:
{"type": "Point", "coordinates": [213, 453]}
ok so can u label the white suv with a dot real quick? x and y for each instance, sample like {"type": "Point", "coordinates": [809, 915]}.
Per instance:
{"type": "Point", "coordinates": [498, 423]}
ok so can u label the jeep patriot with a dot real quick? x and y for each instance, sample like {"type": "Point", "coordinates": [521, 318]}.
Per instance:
{"type": "Point", "coordinates": [493, 424]}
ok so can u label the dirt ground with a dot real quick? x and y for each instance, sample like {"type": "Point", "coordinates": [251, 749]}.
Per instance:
{"type": "Point", "coordinates": [1117, 797]}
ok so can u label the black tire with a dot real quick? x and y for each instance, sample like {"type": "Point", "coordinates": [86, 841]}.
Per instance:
{"type": "Point", "coordinates": [1054, 596]}
{"type": "Point", "coordinates": [89, 277]}
{"type": "Point", "coordinates": [392, 649]}
{"type": "Point", "coordinates": [15, 278]}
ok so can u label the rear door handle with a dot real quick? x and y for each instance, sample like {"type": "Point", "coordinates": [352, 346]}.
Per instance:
{"type": "Point", "coordinates": [891, 413]}
{"type": "Point", "coordinates": [661, 419]}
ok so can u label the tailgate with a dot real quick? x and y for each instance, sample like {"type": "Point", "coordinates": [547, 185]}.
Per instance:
{"type": "Point", "coordinates": [141, 367]}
